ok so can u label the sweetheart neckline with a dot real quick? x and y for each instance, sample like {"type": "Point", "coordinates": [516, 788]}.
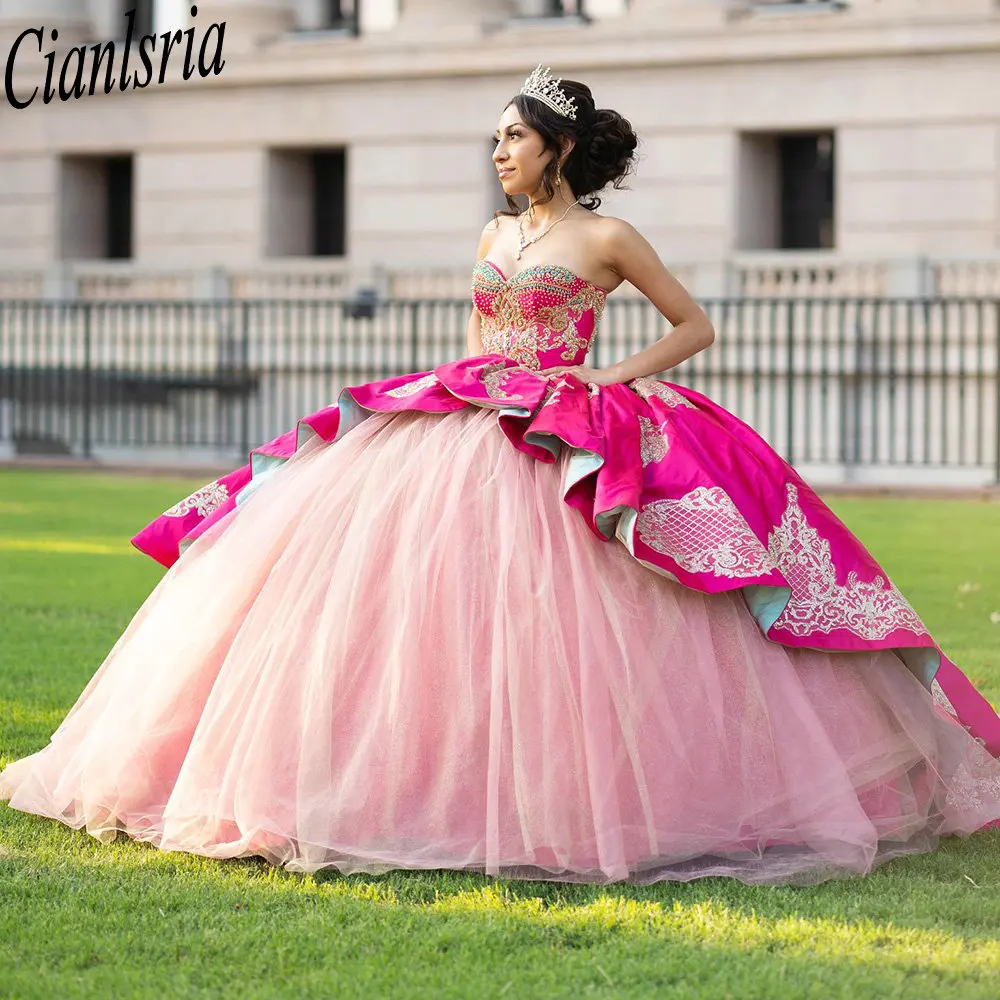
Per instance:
{"type": "Point", "coordinates": [532, 267]}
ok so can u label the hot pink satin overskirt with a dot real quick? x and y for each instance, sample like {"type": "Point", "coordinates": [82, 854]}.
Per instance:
{"type": "Point", "coordinates": [406, 651]}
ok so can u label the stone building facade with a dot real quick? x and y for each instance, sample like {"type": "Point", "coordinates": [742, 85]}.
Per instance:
{"type": "Point", "coordinates": [844, 145]}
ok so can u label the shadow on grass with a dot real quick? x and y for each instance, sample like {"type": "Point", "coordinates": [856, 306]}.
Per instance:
{"type": "Point", "coordinates": [954, 889]}
{"type": "Point", "coordinates": [122, 916]}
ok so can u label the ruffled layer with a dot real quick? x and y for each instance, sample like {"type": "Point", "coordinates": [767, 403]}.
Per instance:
{"type": "Point", "coordinates": [408, 651]}
{"type": "Point", "coordinates": [692, 493]}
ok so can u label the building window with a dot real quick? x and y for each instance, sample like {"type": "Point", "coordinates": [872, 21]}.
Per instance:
{"type": "Point", "coordinates": [328, 15]}
{"type": "Point", "coordinates": [552, 8]}
{"type": "Point", "coordinates": [144, 14]}
{"type": "Point", "coordinates": [793, 5]}
{"type": "Point", "coordinates": [96, 197]}
{"type": "Point", "coordinates": [807, 191]}
{"type": "Point", "coordinates": [329, 184]}
{"type": "Point", "coordinates": [119, 189]}
{"type": "Point", "coordinates": [787, 188]}
{"type": "Point", "coordinates": [341, 14]}
{"type": "Point", "coordinates": [307, 203]}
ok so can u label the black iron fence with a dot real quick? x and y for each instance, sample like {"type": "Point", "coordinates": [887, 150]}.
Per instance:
{"type": "Point", "coordinates": [843, 382]}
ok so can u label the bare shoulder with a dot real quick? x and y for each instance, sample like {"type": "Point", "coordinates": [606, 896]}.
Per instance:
{"type": "Point", "coordinates": [489, 234]}
{"type": "Point", "coordinates": [629, 255]}
{"type": "Point", "coordinates": [614, 235]}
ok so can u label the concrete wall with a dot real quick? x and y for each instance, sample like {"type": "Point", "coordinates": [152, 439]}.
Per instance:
{"type": "Point", "coordinates": [909, 87]}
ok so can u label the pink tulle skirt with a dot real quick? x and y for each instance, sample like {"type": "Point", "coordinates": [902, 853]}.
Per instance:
{"type": "Point", "coordinates": [406, 651]}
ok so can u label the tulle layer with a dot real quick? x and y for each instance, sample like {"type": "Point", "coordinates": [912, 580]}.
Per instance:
{"type": "Point", "coordinates": [406, 651]}
{"type": "Point", "coordinates": [691, 491]}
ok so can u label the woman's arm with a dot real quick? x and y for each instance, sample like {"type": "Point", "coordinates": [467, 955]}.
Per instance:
{"type": "Point", "coordinates": [473, 329]}
{"type": "Point", "coordinates": [473, 335]}
{"type": "Point", "coordinates": [628, 254]}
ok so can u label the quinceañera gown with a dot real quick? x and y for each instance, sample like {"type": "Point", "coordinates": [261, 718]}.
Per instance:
{"type": "Point", "coordinates": [474, 618]}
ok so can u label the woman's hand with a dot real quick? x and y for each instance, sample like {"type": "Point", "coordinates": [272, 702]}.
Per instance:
{"type": "Point", "coordinates": [594, 376]}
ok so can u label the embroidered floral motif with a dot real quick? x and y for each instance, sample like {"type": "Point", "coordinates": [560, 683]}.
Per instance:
{"type": "Point", "coordinates": [537, 311]}
{"type": "Point", "coordinates": [553, 391]}
{"type": "Point", "coordinates": [704, 532]}
{"type": "Point", "coordinates": [975, 783]}
{"type": "Point", "coordinates": [653, 443]}
{"type": "Point", "coordinates": [647, 387]}
{"type": "Point", "coordinates": [941, 700]}
{"type": "Point", "coordinates": [551, 394]}
{"type": "Point", "coordinates": [412, 388]}
{"type": "Point", "coordinates": [204, 501]}
{"type": "Point", "coordinates": [493, 378]}
{"type": "Point", "coordinates": [964, 789]}
{"type": "Point", "coordinates": [869, 609]}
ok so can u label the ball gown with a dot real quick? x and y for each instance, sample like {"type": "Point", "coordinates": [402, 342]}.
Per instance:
{"type": "Point", "coordinates": [480, 619]}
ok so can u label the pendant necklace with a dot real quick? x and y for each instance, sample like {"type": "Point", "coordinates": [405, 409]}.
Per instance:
{"type": "Point", "coordinates": [523, 243]}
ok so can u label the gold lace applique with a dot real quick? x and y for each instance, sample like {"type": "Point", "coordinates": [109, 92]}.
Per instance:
{"type": "Point", "coordinates": [871, 609]}
{"type": "Point", "coordinates": [493, 378]}
{"type": "Point", "coordinates": [975, 783]}
{"type": "Point", "coordinates": [204, 501]}
{"type": "Point", "coordinates": [647, 387]}
{"type": "Point", "coordinates": [551, 394]}
{"type": "Point", "coordinates": [942, 701]}
{"type": "Point", "coordinates": [653, 443]}
{"type": "Point", "coordinates": [704, 532]}
{"type": "Point", "coordinates": [412, 388]}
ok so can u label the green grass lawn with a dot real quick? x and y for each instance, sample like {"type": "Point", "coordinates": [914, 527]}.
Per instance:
{"type": "Point", "coordinates": [78, 918]}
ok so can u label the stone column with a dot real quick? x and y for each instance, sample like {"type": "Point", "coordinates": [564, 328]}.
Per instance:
{"type": "Point", "coordinates": [910, 278]}
{"type": "Point", "coordinates": [71, 18]}
{"type": "Point", "coordinates": [107, 20]}
{"type": "Point", "coordinates": [681, 13]}
{"type": "Point", "coordinates": [169, 15]}
{"type": "Point", "coordinates": [378, 15]}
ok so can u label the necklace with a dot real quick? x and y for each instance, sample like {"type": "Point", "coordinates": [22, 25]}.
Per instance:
{"type": "Point", "coordinates": [523, 243]}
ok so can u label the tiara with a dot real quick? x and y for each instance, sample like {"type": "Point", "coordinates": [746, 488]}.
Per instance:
{"type": "Point", "coordinates": [540, 85]}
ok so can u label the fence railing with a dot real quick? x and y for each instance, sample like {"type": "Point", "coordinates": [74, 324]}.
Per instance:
{"type": "Point", "coordinates": [871, 384]}
{"type": "Point", "coordinates": [750, 274]}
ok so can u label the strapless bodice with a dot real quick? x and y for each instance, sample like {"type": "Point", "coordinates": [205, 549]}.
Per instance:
{"type": "Point", "coordinates": [542, 316]}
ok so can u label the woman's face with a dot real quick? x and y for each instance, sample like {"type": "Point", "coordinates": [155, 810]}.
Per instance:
{"type": "Point", "coordinates": [520, 155]}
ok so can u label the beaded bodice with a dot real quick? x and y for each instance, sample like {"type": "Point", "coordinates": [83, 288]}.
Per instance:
{"type": "Point", "coordinates": [542, 316]}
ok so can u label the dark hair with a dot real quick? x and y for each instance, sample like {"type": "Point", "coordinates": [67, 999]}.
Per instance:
{"type": "Point", "coordinates": [605, 145]}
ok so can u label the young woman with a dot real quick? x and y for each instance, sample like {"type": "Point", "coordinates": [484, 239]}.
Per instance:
{"type": "Point", "coordinates": [526, 617]}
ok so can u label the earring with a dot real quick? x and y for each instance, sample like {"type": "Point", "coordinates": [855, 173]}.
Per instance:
{"type": "Point", "coordinates": [559, 176]}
